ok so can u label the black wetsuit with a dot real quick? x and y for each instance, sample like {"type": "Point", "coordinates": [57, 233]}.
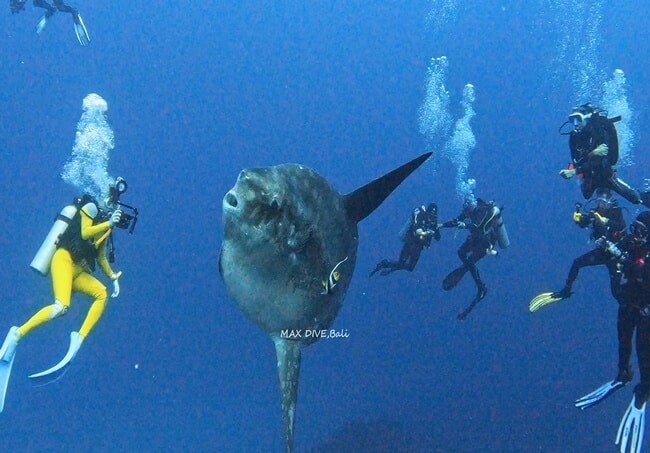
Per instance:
{"type": "Point", "coordinates": [634, 313]}
{"type": "Point", "coordinates": [482, 238]}
{"type": "Point", "coordinates": [422, 219]}
{"type": "Point", "coordinates": [613, 230]}
{"type": "Point", "coordinates": [598, 171]}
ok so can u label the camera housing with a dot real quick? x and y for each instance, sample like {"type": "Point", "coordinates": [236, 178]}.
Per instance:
{"type": "Point", "coordinates": [127, 219]}
{"type": "Point", "coordinates": [129, 216]}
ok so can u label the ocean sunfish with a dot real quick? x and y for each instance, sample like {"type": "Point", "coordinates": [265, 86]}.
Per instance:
{"type": "Point", "coordinates": [289, 250]}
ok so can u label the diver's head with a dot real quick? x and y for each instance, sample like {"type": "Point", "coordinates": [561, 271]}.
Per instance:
{"type": "Point", "coordinates": [580, 116]}
{"type": "Point", "coordinates": [432, 208]}
{"type": "Point", "coordinates": [604, 199]}
{"type": "Point", "coordinates": [469, 204]}
{"type": "Point", "coordinates": [640, 227]}
{"type": "Point", "coordinates": [114, 192]}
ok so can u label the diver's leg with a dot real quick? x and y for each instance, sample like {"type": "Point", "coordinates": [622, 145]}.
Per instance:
{"type": "Point", "coordinates": [79, 26]}
{"type": "Point", "coordinates": [409, 261]}
{"type": "Point", "coordinates": [454, 277]}
{"type": "Point", "coordinates": [40, 26]}
{"type": "Point", "coordinates": [64, 8]}
{"type": "Point", "coordinates": [480, 294]}
{"type": "Point", "coordinates": [624, 190]}
{"type": "Point", "coordinates": [45, 5]}
{"type": "Point", "coordinates": [62, 269]}
{"type": "Point", "coordinates": [625, 324]}
{"type": "Point", "coordinates": [594, 257]}
{"type": "Point", "coordinates": [481, 289]}
{"type": "Point", "coordinates": [642, 390]}
{"type": "Point", "coordinates": [587, 188]}
{"type": "Point", "coordinates": [87, 284]}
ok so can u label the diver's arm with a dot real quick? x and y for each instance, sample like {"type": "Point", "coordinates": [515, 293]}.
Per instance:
{"type": "Point", "coordinates": [106, 268]}
{"type": "Point", "coordinates": [600, 151]}
{"type": "Point", "coordinates": [88, 230]}
{"type": "Point", "coordinates": [102, 261]}
{"type": "Point", "coordinates": [455, 222]}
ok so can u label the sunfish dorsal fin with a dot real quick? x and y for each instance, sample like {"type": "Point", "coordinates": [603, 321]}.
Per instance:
{"type": "Point", "coordinates": [360, 203]}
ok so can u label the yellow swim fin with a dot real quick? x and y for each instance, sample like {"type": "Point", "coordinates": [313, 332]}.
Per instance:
{"type": "Point", "coordinates": [542, 300]}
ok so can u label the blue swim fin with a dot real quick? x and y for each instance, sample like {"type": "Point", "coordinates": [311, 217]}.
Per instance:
{"type": "Point", "coordinates": [7, 355]}
{"type": "Point", "coordinates": [57, 371]}
{"type": "Point", "coordinates": [80, 30]}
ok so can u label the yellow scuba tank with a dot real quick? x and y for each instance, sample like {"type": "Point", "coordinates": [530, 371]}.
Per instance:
{"type": "Point", "coordinates": [500, 228]}
{"type": "Point", "coordinates": [43, 257]}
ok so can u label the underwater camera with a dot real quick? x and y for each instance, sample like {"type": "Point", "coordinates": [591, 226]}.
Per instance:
{"type": "Point", "coordinates": [129, 216]}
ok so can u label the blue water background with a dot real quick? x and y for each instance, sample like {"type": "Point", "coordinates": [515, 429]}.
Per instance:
{"type": "Point", "coordinates": [199, 90]}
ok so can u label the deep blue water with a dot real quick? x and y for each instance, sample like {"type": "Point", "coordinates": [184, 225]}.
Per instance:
{"type": "Point", "coordinates": [199, 90]}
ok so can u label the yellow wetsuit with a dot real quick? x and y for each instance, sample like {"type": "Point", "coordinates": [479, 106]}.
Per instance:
{"type": "Point", "coordinates": [69, 276]}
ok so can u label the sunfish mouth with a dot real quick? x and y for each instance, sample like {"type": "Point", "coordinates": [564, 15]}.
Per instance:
{"type": "Point", "coordinates": [230, 201]}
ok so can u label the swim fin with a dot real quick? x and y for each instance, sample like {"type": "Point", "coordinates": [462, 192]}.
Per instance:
{"type": "Point", "coordinates": [599, 394]}
{"type": "Point", "coordinates": [80, 30]}
{"type": "Point", "coordinates": [544, 299]}
{"type": "Point", "coordinates": [7, 355]}
{"type": "Point", "coordinates": [383, 264]}
{"type": "Point", "coordinates": [632, 428]}
{"type": "Point", "coordinates": [40, 26]}
{"type": "Point", "coordinates": [482, 291]}
{"type": "Point", "coordinates": [57, 371]}
{"type": "Point", "coordinates": [454, 277]}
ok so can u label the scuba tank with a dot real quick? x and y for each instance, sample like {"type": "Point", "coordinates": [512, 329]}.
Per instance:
{"type": "Point", "coordinates": [500, 228]}
{"type": "Point", "coordinates": [404, 231]}
{"type": "Point", "coordinates": [43, 257]}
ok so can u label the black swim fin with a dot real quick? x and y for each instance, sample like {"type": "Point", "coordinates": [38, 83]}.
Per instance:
{"type": "Point", "coordinates": [454, 277]}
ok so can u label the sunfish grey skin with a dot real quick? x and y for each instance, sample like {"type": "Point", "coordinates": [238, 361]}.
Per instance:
{"type": "Point", "coordinates": [288, 254]}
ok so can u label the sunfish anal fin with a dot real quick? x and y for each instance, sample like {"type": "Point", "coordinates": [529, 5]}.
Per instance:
{"type": "Point", "coordinates": [288, 354]}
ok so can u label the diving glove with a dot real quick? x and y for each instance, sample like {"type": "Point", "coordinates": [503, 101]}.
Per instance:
{"type": "Point", "coordinates": [601, 219]}
{"type": "Point", "coordinates": [568, 173]}
{"type": "Point", "coordinates": [601, 150]}
{"type": "Point", "coordinates": [115, 277]}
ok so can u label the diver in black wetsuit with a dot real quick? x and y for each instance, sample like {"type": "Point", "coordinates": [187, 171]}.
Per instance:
{"type": "Point", "coordinates": [633, 255]}
{"type": "Point", "coordinates": [607, 223]}
{"type": "Point", "coordinates": [79, 26]}
{"type": "Point", "coordinates": [593, 142]}
{"type": "Point", "coordinates": [416, 235]}
{"type": "Point", "coordinates": [485, 224]}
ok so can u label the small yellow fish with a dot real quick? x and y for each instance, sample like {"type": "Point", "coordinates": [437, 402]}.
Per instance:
{"type": "Point", "coordinates": [330, 283]}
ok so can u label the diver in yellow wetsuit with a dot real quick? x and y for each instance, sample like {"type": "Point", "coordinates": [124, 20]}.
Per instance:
{"type": "Point", "coordinates": [78, 248]}
{"type": "Point", "coordinates": [72, 267]}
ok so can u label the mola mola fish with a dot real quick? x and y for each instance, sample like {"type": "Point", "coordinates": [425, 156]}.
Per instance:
{"type": "Point", "coordinates": [288, 254]}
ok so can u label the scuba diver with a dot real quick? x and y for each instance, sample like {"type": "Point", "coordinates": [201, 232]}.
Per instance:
{"type": "Point", "coordinates": [80, 237]}
{"type": "Point", "coordinates": [607, 223]}
{"type": "Point", "coordinates": [416, 235]}
{"type": "Point", "coordinates": [633, 256]}
{"type": "Point", "coordinates": [485, 224]}
{"type": "Point", "coordinates": [79, 26]}
{"type": "Point", "coordinates": [593, 142]}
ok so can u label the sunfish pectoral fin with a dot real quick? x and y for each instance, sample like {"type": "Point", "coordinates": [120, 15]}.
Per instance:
{"type": "Point", "coordinates": [57, 371]}
{"type": "Point", "coordinates": [360, 203]}
{"type": "Point", "coordinates": [288, 354]}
